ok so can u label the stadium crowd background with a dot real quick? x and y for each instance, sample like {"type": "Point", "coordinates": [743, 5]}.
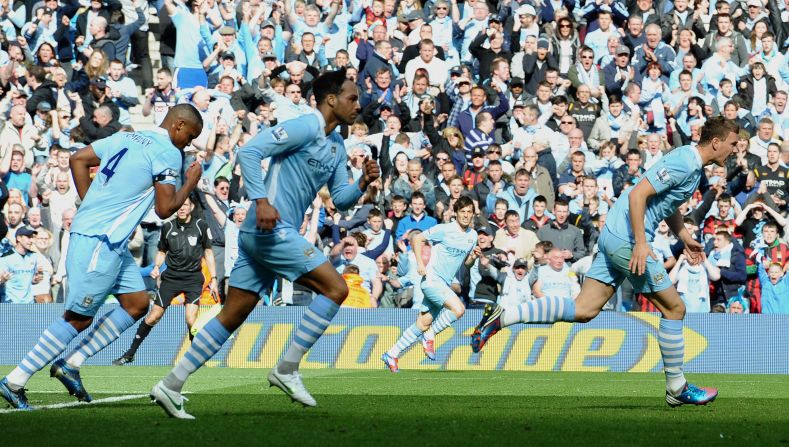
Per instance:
{"type": "Point", "coordinates": [542, 112]}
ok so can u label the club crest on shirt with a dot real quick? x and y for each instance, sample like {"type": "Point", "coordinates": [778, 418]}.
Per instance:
{"type": "Point", "coordinates": [309, 252]}
{"type": "Point", "coordinates": [87, 301]}
{"type": "Point", "coordinates": [333, 149]}
{"type": "Point", "coordinates": [663, 175]}
{"type": "Point", "coordinates": [192, 240]}
{"type": "Point", "coordinates": [279, 134]}
{"type": "Point", "coordinates": [658, 278]}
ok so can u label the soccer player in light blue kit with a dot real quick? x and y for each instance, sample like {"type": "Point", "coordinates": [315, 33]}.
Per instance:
{"type": "Point", "coordinates": [136, 171]}
{"type": "Point", "coordinates": [453, 244]}
{"type": "Point", "coordinates": [306, 153]}
{"type": "Point", "coordinates": [624, 252]}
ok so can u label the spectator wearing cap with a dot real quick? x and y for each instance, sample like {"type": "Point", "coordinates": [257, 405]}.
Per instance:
{"type": "Point", "coordinates": [270, 41]}
{"type": "Point", "coordinates": [412, 52]}
{"type": "Point", "coordinates": [96, 96]}
{"type": "Point", "coordinates": [536, 65]}
{"type": "Point", "coordinates": [597, 40]}
{"type": "Point", "coordinates": [437, 69]}
{"type": "Point", "coordinates": [619, 73]}
{"type": "Point", "coordinates": [19, 130]}
{"type": "Point", "coordinates": [524, 24]}
{"type": "Point", "coordinates": [189, 71]}
{"type": "Point", "coordinates": [484, 274]}
{"type": "Point", "coordinates": [487, 56]}
{"type": "Point", "coordinates": [40, 29]}
{"type": "Point", "coordinates": [515, 288]}
{"type": "Point", "coordinates": [415, 20]}
{"type": "Point", "coordinates": [21, 269]}
{"type": "Point", "coordinates": [755, 13]}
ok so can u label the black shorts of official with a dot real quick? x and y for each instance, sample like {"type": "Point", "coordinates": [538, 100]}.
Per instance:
{"type": "Point", "coordinates": [175, 283]}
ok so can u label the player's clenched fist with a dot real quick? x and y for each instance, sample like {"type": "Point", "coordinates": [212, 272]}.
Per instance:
{"type": "Point", "coordinates": [193, 174]}
{"type": "Point", "coordinates": [371, 171]}
{"type": "Point", "coordinates": [267, 215]}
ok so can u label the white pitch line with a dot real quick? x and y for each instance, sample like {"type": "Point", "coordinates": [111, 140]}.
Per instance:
{"type": "Point", "coordinates": [79, 404]}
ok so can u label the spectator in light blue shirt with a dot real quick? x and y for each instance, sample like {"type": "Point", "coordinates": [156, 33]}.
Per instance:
{"type": "Point", "coordinates": [21, 269]}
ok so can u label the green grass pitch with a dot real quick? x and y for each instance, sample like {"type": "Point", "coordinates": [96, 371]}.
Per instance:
{"type": "Point", "coordinates": [362, 407]}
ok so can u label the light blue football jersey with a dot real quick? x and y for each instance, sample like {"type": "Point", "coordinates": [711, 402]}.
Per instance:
{"type": "Point", "coordinates": [675, 177]}
{"type": "Point", "coordinates": [122, 191]}
{"type": "Point", "coordinates": [303, 159]}
{"type": "Point", "coordinates": [451, 246]}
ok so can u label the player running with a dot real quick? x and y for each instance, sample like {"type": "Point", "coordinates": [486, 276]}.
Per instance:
{"type": "Point", "coordinates": [184, 243]}
{"type": "Point", "coordinates": [305, 154]}
{"type": "Point", "coordinates": [625, 252]}
{"type": "Point", "coordinates": [453, 244]}
{"type": "Point", "coordinates": [136, 171]}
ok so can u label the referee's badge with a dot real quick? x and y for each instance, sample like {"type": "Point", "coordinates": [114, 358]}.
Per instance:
{"type": "Point", "coordinates": [192, 240]}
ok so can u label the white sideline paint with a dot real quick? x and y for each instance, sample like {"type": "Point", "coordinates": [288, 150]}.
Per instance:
{"type": "Point", "coordinates": [79, 404]}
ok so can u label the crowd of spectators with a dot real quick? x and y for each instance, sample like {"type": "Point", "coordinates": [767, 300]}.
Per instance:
{"type": "Point", "coordinates": [541, 111]}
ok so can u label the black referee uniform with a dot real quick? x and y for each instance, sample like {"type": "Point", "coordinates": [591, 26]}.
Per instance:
{"type": "Point", "coordinates": [185, 244]}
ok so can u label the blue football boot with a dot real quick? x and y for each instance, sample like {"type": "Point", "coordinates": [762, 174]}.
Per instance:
{"type": "Point", "coordinates": [692, 395]}
{"type": "Point", "coordinates": [17, 399]}
{"type": "Point", "coordinates": [70, 378]}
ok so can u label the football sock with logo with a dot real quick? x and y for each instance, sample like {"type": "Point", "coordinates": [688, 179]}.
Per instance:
{"type": "Point", "coordinates": [107, 330]}
{"type": "Point", "coordinates": [52, 342]}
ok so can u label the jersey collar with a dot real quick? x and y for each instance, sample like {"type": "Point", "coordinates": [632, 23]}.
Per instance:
{"type": "Point", "coordinates": [321, 122]}
{"type": "Point", "coordinates": [697, 156]}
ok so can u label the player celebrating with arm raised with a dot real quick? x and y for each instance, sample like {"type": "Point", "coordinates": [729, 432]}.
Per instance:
{"type": "Point", "coordinates": [305, 153]}
{"type": "Point", "coordinates": [624, 252]}
{"type": "Point", "coordinates": [453, 244]}
{"type": "Point", "coordinates": [137, 170]}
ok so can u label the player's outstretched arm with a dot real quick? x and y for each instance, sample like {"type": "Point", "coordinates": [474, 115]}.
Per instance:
{"type": "Point", "coordinates": [638, 204]}
{"type": "Point", "coordinates": [168, 200]}
{"type": "Point", "coordinates": [80, 164]}
{"type": "Point", "coordinates": [344, 194]}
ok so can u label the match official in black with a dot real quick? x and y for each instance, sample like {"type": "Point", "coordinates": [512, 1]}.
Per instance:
{"type": "Point", "coordinates": [184, 243]}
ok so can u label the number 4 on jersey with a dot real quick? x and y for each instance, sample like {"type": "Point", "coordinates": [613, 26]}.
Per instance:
{"type": "Point", "coordinates": [109, 169]}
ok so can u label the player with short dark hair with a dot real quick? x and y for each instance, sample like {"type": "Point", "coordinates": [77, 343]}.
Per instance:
{"type": "Point", "coordinates": [305, 154]}
{"type": "Point", "coordinates": [625, 253]}
{"type": "Point", "coordinates": [453, 244]}
{"type": "Point", "coordinates": [137, 170]}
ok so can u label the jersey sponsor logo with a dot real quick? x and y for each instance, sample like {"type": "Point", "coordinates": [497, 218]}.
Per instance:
{"type": "Point", "coordinates": [279, 134]}
{"type": "Point", "coordinates": [318, 165]}
{"type": "Point", "coordinates": [663, 175]}
{"type": "Point", "coordinates": [192, 240]}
